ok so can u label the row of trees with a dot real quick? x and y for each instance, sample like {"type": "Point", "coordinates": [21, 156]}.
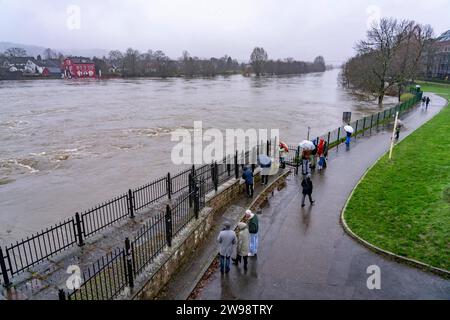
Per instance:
{"type": "Point", "coordinates": [262, 65]}
{"type": "Point", "coordinates": [156, 63]}
{"type": "Point", "coordinates": [20, 52]}
{"type": "Point", "coordinates": [388, 59]}
{"type": "Point", "coordinates": [133, 63]}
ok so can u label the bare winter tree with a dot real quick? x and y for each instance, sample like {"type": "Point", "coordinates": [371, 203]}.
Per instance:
{"type": "Point", "coordinates": [15, 52]}
{"type": "Point", "coordinates": [49, 54]}
{"type": "Point", "coordinates": [388, 57]}
{"type": "Point", "coordinates": [258, 58]}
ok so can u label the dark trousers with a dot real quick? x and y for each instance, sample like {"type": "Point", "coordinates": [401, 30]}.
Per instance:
{"type": "Point", "coordinates": [282, 163]}
{"type": "Point", "coordinates": [304, 198]}
{"type": "Point", "coordinates": [239, 259]}
{"type": "Point", "coordinates": [265, 179]}
{"type": "Point", "coordinates": [224, 264]}
{"type": "Point", "coordinates": [249, 188]}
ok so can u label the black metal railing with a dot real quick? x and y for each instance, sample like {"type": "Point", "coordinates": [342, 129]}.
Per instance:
{"type": "Point", "coordinates": [107, 277]}
{"type": "Point", "coordinates": [106, 214]}
{"type": "Point", "coordinates": [40, 246]}
{"type": "Point", "coordinates": [150, 193]}
{"type": "Point", "coordinates": [149, 242]}
{"type": "Point", "coordinates": [104, 280]}
{"type": "Point", "coordinates": [28, 252]}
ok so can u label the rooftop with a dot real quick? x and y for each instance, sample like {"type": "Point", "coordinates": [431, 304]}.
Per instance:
{"type": "Point", "coordinates": [444, 37]}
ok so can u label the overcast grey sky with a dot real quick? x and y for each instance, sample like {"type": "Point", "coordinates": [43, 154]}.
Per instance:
{"type": "Point", "coordinates": [285, 28]}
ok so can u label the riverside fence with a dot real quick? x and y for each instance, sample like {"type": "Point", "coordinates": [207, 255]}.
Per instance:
{"type": "Point", "coordinates": [32, 250]}
{"type": "Point", "coordinates": [361, 126]}
{"type": "Point", "coordinates": [109, 275]}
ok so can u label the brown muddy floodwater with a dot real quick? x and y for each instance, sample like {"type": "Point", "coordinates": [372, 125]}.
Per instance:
{"type": "Point", "coordinates": [66, 146]}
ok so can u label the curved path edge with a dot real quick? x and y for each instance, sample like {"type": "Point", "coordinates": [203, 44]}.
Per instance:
{"type": "Point", "coordinates": [374, 248]}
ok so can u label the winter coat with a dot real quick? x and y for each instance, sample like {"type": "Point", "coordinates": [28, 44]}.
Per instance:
{"type": "Point", "coordinates": [305, 167]}
{"type": "Point", "coordinates": [248, 176]}
{"type": "Point", "coordinates": [321, 147]}
{"type": "Point", "coordinates": [253, 224]}
{"type": "Point", "coordinates": [226, 240]}
{"type": "Point", "coordinates": [307, 186]}
{"type": "Point", "coordinates": [243, 240]}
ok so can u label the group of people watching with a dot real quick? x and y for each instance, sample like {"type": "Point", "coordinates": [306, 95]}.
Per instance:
{"type": "Point", "coordinates": [240, 244]}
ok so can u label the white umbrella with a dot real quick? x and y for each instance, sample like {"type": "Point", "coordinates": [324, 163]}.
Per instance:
{"type": "Point", "coordinates": [349, 129]}
{"type": "Point", "coordinates": [307, 145]}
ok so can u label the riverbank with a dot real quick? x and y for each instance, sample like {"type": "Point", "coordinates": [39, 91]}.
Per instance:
{"type": "Point", "coordinates": [49, 144]}
{"type": "Point", "coordinates": [305, 254]}
{"type": "Point", "coordinates": [402, 204]}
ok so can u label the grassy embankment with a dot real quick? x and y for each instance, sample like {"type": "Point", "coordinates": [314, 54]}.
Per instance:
{"type": "Point", "coordinates": [403, 205]}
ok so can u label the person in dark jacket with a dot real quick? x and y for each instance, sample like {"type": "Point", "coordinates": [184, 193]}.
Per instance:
{"type": "Point", "coordinates": [427, 102]}
{"type": "Point", "coordinates": [307, 186]}
{"type": "Point", "coordinates": [253, 228]}
{"type": "Point", "coordinates": [248, 177]}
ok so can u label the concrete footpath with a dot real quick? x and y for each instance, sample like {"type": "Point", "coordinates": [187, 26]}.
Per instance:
{"type": "Point", "coordinates": [186, 279]}
{"type": "Point", "coordinates": [305, 253]}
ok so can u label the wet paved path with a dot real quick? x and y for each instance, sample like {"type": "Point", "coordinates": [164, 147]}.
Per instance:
{"type": "Point", "coordinates": [305, 254]}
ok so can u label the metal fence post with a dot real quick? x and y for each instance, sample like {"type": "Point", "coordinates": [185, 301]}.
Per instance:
{"type": "Point", "coordinates": [297, 159]}
{"type": "Point", "coordinates": [169, 186]}
{"type": "Point", "coordinates": [79, 229]}
{"type": "Point", "coordinates": [61, 295]}
{"type": "Point", "coordinates": [216, 176]}
{"type": "Point", "coordinates": [169, 225]}
{"type": "Point", "coordinates": [371, 123]}
{"type": "Point", "coordinates": [364, 125]}
{"type": "Point", "coordinates": [131, 204]}
{"type": "Point", "coordinates": [378, 118]}
{"type": "Point", "coordinates": [338, 135]}
{"type": "Point", "coordinates": [129, 267]}
{"type": "Point", "coordinates": [196, 192]}
{"type": "Point", "coordinates": [356, 130]}
{"type": "Point", "coordinates": [236, 168]}
{"type": "Point", "coordinates": [328, 139]}
{"type": "Point", "coordinates": [6, 282]}
{"type": "Point", "coordinates": [268, 148]}
{"type": "Point", "coordinates": [191, 189]}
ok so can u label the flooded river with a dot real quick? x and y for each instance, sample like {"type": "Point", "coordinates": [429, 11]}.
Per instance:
{"type": "Point", "coordinates": [68, 145]}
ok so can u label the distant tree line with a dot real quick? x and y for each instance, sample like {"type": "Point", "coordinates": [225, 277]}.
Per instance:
{"type": "Point", "coordinates": [390, 58]}
{"type": "Point", "coordinates": [133, 63]}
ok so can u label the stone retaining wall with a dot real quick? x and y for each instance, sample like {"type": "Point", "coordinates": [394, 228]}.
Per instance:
{"type": "Point", "coordinates": [148, 285]}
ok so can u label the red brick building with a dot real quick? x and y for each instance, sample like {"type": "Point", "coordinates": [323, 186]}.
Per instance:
{"type": "Point", "coordinates": [78, 67]}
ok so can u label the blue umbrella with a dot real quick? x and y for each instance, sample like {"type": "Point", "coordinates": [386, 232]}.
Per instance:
{"type": "Point", "coordinates": [264, 161]}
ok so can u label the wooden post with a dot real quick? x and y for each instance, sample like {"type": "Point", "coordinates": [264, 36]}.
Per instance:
{"type": "Point", "coordinates": [393, 136]}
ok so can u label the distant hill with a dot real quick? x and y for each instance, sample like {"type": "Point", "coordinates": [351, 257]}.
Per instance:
{"type": "Point", "coordinates": [33, 50]}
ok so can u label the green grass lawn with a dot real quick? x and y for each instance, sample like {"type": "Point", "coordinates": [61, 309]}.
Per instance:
{"type": "Point", "coordinates": [403, 205]}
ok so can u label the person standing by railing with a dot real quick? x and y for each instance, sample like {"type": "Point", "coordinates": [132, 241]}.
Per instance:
{"type": "Point", "coordinates": [320, 154]}
{"type": "Point", "coordinates": [248, 177]}
{"type": "Point", "coordinates": [348, 138]}
{"type": "Point", "coordinates": [306, 170]}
